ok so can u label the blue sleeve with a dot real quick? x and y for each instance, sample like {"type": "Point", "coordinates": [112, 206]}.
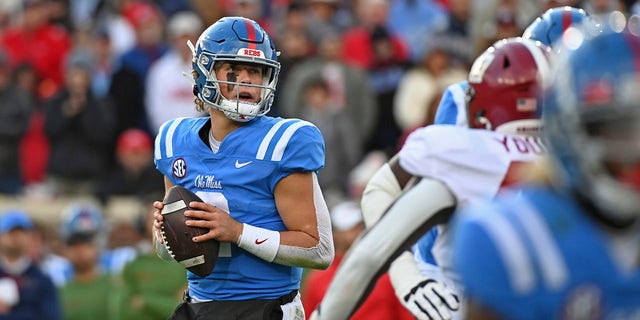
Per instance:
{"type": "Point", "coordinates": [305, 149]}
{"type": "Point", "coordinates": [425, 244]}
{"type": "Point", "coordinates": [447, 110]}
{"type": "Point", "coordinates": [480, 266]}
{"type": "Point", "coordinates": [451, 104]}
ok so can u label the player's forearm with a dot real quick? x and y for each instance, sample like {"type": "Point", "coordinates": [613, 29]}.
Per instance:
{"type": "Point", "coordinates": [294, 248]}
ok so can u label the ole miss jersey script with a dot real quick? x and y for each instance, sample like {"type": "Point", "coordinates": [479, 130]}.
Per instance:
{"type": "Point", "coordinates": [473, 163]}
{"type": "Point", "coordinates": [240, 179]}
{"type": "Point", "coordinates": [536, 254]}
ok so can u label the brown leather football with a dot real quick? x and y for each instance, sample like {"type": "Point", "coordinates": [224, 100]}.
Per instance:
{"type": "Point", "coordinates": [197, 257]}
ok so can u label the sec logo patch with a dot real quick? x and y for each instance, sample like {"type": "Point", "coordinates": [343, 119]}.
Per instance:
{"type": "Point", "coordinates": [179, 168]}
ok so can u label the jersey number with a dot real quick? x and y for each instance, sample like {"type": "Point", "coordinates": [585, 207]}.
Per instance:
{"type": "Point", "coordinates": [217, 199]}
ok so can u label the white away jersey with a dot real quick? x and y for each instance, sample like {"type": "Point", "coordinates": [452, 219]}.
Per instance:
{"type": "Point", "coordinates": [240, 178]}
{"type": "Point", "coordinates": [473, 163]}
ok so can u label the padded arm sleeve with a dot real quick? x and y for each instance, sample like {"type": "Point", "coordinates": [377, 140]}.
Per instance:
{"type": "Point", "coordinates": [319, 256]}
{"type": "Point", "coordinates": [379, 194]}
{"type": "Point", "coordinates": [418, 210]}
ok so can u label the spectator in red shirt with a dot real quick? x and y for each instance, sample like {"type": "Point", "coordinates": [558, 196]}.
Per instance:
{"type": "Point", "coordinates": [40, 43]}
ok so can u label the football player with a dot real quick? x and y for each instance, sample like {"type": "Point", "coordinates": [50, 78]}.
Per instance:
{"type": "Point", "coordinates": [256, 175]}
{"type": "Point", "coordinates": [548, 29]}
{"type": "Point", "coordinates": [569, 249]}
{"type": "Point", "coordinates": [456, 165]}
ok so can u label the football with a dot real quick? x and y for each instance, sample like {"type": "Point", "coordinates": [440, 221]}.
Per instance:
{"type": "Point", "coordinates": [197, 257]}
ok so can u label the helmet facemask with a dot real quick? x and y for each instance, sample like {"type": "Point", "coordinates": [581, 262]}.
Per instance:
{"type": "Point", "coordinates": [225, 42]}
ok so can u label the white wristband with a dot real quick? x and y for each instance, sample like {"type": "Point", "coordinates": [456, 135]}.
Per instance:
{"type": "Point", "coordinates": [263, 243]}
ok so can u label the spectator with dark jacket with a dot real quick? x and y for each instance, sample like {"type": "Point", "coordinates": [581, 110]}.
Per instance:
{"type": "Point", "coordinates": [15, 112]}
{"type": "Point", "coordinates": [80, 128]}
{"type": "Point", "coordinates": [25, 291]}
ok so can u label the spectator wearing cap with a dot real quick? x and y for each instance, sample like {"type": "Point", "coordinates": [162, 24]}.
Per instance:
{"type": "Point", "coordinates": [80, 128]}
{"type": "Point", "coordinates": [134, 173]}
{"type": "Point", "coordinates": [25, 291]}
{"type": "Point", "coordinates": [169, 94]}
{"type": "Point", "coordinates": [16, 108]}
{"type": "Point", "coordinates": [87, 294]}
{"type": "Point", "coordinates": [381, 304]}
{"type": "Point", "coordinates": [138, 297]}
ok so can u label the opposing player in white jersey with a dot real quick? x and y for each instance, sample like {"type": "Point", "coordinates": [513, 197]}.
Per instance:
{"type": "Point", "coordinates": [257, 176]}
{"type": "Point", "coordinates": [455, 165]}
{"type": "Point", "coordinates": [570, 248]}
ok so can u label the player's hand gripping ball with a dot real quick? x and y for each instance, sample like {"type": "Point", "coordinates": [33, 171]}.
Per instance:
{"type": "Point", "coordinates": [197, 257]}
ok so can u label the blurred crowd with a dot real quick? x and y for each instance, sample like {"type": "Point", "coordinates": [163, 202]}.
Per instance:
{"type": "Point", "coordinates": [85, 85]}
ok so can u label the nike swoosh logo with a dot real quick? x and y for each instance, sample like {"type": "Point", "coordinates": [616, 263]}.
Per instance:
{"type": "Point", "coordinates": [242, 164]}
{"type": "Point", "coordinates": [258, 242]}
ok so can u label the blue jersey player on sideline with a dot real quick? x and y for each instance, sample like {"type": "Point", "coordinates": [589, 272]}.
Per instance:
{"type": "Point", "coordinates": [257, 176]}
{"type": "Point", "coordinates": [568, 249]}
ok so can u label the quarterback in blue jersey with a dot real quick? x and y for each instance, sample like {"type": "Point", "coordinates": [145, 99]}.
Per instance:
{"type": "Point", "coordinates": [256, 175]}
{"type": "Point", "coordinates": [569, 249]}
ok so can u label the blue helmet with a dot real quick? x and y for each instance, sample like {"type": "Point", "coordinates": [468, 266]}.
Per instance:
{"type": "Point", "coordinates": [550, 26]}
{"type": "Point", "coordinates": [234, 39]}
{"type": "Point", "coordinates": [592, 123]}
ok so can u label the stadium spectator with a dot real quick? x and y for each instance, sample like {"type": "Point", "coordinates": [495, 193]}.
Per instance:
{"type": "Point", "coordinates": [139, 294]}
{"type": "Point", "coordinates": [16, 107]}
{"type": "Point", "coordinates": [169, 87]}
{"type": "Point", "coordinates": [129, 81]}
{"type": "Point", "coordinates": [88, 294]}
{"type": "Point", "coordinates": [342, 142]}
{"type": "Point", "coordinates": [80, 128]}
{"type": "Point", "coordinates": [349, 86]}
{"type": "Point", "coordinates": [40, 43]}
{"type": "Point", "coordinates": [134, 173]}
{"type": "Point", "coordinates": [25, 291]}
{"type": "Point", "coordinates": [420, 88]}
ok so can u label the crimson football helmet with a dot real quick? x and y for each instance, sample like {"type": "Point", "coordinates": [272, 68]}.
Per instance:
{"type": "Point", "coordinates": [504, 84]}
{"type": "Point", "coordinates": [240, 40]}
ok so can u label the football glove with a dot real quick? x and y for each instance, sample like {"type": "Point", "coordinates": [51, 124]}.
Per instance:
{"type": "Point", "coordinates": [431, 299]}
{"type": "Point", "coordinates": [426, 298]}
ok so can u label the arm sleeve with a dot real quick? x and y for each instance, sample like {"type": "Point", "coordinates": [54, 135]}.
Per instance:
{"type": "Point", "coordinates": [320, 256]}
{"type": "Point", "coordinates": [379, 194]}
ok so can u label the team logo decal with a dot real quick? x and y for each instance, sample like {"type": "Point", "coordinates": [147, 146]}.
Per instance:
{"type": "Point", "coordinates": [179, 168]}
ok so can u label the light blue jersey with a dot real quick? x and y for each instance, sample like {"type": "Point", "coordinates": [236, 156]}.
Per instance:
{"type": "Point", "coordinates": [240, 178]}
{"type": "Point", "coordinates": [536, 254]}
